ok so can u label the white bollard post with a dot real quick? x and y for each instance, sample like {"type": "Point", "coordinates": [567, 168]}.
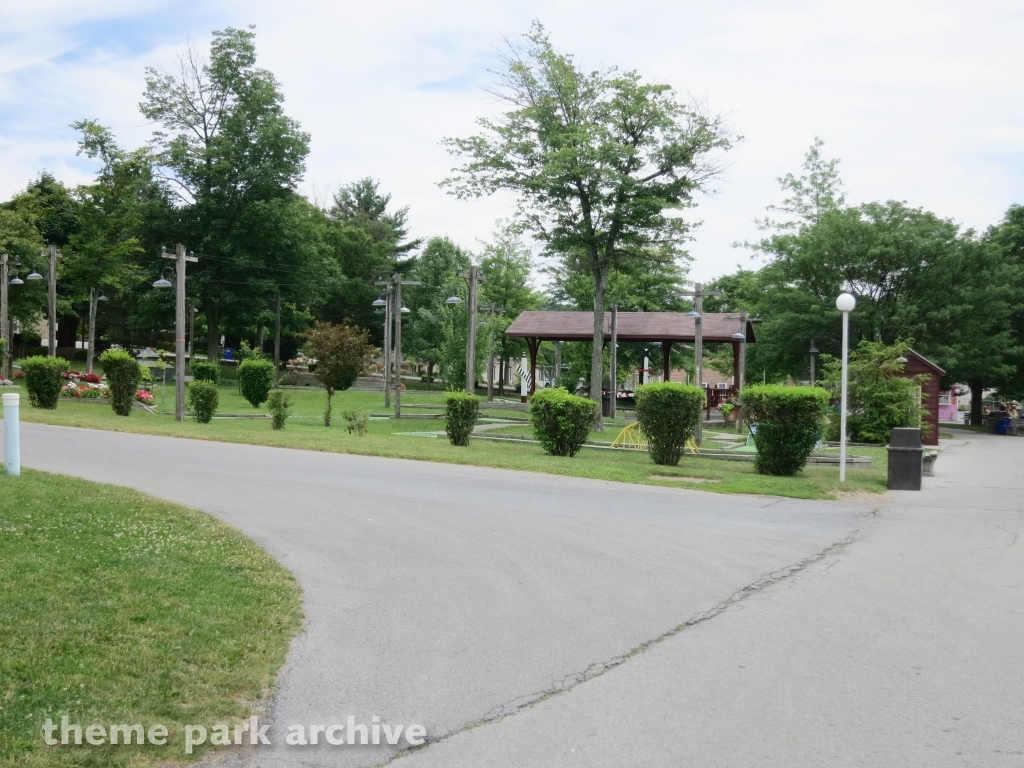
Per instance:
{"type": "Point", "coordinates": [524, 382]}
{"type": "Point", "coordinates": [12, 439]}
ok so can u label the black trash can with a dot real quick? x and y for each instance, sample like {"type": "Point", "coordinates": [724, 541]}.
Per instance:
{"type": "Point", "coordinates": [906, 459]}
{"type": "Point", "coordinates": [994, 420]}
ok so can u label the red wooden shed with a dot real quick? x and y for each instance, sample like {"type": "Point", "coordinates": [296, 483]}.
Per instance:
{"type": "Point", "coordinates": [917, 365]}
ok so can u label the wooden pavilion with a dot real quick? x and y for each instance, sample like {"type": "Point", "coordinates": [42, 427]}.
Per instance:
{"type": "Point", "coordinates": [665, 328]}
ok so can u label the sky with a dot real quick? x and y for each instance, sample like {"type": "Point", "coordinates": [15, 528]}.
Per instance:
{"type": "Point", "coordinates": [922, 101]}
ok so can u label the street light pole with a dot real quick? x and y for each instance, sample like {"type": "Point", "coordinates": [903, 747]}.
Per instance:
{"type": "Point", "coordinates": [490, 351]}
{"type": "Point", "coordinates": [89, 352]}
{"type": "Point", "coordinates": [845, 303]}
{"type": "Point", "coordinates": [613, 366]}
{"type": "Point", "coordinates": [179, 329]}
{"type": "Point", "coordinates": [741, 374]}
{"type": "Point", "coordinates": [277, 337]}
{"type": "Point", "coordinates": [814, 354]}
{"type": "Point", "coordinates": [52, 295]}
{"type": "Point", "coordinates": [697, 313]}
{"type": "Point", "coordinates": [5, 311]}
{"type": "Point", "coordinates": [395, 285]}
{"type": "Point", "coordinates": [389, 290]}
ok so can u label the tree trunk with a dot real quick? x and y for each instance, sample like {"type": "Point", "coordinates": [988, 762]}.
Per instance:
{"type": "Point", "coordinates": [502, 367]}
{"type": "Point", "coordinates": [597, 353]}
{"type": "Point", "coordinates": [976, 415]}
{"type": "Point", "coordinates": [212, 312]}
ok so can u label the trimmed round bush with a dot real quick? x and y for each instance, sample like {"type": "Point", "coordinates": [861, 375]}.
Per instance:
{"type": "Point", "coordinates": [203, 400]}
{"type": "Point", "coordinates": [668, 414]}
{"type": "Point", "coordinates": [122, 371]}
{"type": "Point", "coordinates": [204, 370]}
{"type": "Point", "coordinates": [44, 376]}
{"type": "Point", "coordinates": [561, 422]}
{"type": "Point", "coordinates": [789, 423]}
{"type": "Point", "coordinates": [460, 413]}
{"type": "Point", "coordinates": [256, 379]}
{"type": "Point", "coordinates": [277, 404]}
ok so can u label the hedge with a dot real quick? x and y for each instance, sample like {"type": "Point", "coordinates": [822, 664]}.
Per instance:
{"type": "Point", "coordinates": [256, 379]}
{"type": "Point", "coordinates": [203, 400]}
{"type": "Point", "coordinates": [205, 371]}
{"type": "Point", "coordinates": [122, 371]}
{"type": "Point", "coordinates": [789, 423]}
{"type": "Point", "coordinates": [561, 422]}
{"type": "Point", "coordinates": [44, 376]}
{"type": "Point", "coordinates": [668, 414]}
{"type": "Point", "coordinates": [460, 413]}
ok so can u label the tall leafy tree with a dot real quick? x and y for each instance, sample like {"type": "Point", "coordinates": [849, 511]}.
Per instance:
{"type": "Point", "coordinates": [368, 240]}
{"type": "Point", "coordinates": [232, 159]}
{"type": "Point", "coordinates": [600, 161]}
{"type": "Point", "coordinates": [507, 265]}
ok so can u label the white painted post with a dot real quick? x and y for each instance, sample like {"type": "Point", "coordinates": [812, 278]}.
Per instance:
{"type": "Point", "coordinates": [845, 303]}
{"type": "Point", "coordinates": [524, 379]}
{"type": "Point", "coordinates": [12, 436]}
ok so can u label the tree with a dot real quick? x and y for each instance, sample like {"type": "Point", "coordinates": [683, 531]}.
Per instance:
{"type": "Point", "coordinates": [437, 329]}
{"type": "Point", "coordinates": [232, 159]}
{"type": "Point", "coordinates": [341, 353]}
{"type": "Point", "coordinates": [368, 242]}
{"type": "Point", "coordinates": [601, 162]}
{"type": "Point", "coordinates": [507, 265]}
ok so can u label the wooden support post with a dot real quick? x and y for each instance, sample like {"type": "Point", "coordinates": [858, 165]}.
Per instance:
{"type": "Point", "coordinates": [534, 345]}
{"type": "Point", "coordinates": [666, 351]}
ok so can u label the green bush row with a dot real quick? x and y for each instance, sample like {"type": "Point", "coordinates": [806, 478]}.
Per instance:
{"type": "Point", "coordinates": [122, 371]}
{"type": "Point", "coordinates": [561, 422]}
{"type": "Point", "coordinates": [668, 414]}
{"type": "Point", "coordinates": [460, 414]}
{"type": "Point", "coordinates": [44, 377]}
{"type": "Point", "coordinates": [256, 379]}
{"type": "Point", "coordinates": [789, 423]}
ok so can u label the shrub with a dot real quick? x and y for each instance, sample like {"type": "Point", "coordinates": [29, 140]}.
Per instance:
{"type": "Point", "coordinates": [203, 400]}
{"type": "Point", "coordinates": [206, 371]}
{"type": "Point", "coordinates": [789, 424]}
{"type": "Point", "coordinates": [561, 422]}
{"type": "Point", "coordinates": [122, 372]}
{"type": "Point", "coordinates": [256, 379]}
{"type": "Point", "coordinates": [44, 376]}
{"type": "Point", "coordinates": [357, 421]}
{"type": "Point", "coordinates": [460, 413]}
{"type": "Point", "coordinates": [879, 399]}
{"type": "Point", "coordinates": [278, 404]}
{"type": "Point", "coordinates": [341, 353]}
{"type": "Point", "coordinates": [668, 415]}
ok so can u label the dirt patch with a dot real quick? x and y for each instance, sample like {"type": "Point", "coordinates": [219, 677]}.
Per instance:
{"type": "Point", "coordinates": [679, 479]}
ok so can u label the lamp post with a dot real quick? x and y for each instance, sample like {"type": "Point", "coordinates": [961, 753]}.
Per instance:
{"type": "Point", "coordinates": [396, 282]}
{"type": "Point", "coordinates": [179, 323]}
{"type": "Point", "coordinates": [95, 296]}
{"type": "Point", "coordinates": [845, 303]}
{"type": "Point", "coordinates": [814, 354]}
{"type": "Point", "coordinates": [5, 310]}
{"type": "Point", "coordinates": [384, 305]}
{"type": "Point", "coordinates": [741, 337]}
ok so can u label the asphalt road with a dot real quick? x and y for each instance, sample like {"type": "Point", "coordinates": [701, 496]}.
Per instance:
{"type": "Point", "coordinates": [581, 622]}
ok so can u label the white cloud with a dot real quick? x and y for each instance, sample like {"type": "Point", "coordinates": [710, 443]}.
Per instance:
{"type": "Point", "coordinates": [921, 100]}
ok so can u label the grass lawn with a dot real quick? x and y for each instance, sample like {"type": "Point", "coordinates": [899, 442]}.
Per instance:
{"type": "Point", "coordinates": [305, 430]}
{"type": "Point", "coordinates": [119, 608]}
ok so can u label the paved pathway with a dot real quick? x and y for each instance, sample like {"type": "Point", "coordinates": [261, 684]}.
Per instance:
{"type": "Point", "coordinates": [775, 632]}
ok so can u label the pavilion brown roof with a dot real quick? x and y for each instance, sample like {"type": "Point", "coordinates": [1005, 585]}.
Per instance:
{"type": "Point", "coordinates": [631, 326]}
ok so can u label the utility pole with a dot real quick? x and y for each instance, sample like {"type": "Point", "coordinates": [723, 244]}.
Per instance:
{"type": "Point", "coordinates": [474, 278]}
{"type": "Point", "coordinates": [389, 295]}
{"type": "Point", "coordinates": [277, 337]}
{"type": "Point", "coordinates": [90, 352]}
{"type": "Point", "coordinates": [698, 294]}
{"type": "Point", "coordinates": [179, 329]}
{"type": "Point", "coordinates": [490, 351]}
{"type": "Point", "coordinates": [396, 283]}
{"type": "Point", "coordinates": [5, 315]}
{"type": "Point", "coordinates": [741, 375]}
{"type": "Point", "coordinates": [52, 295]}
{"type": "Point", "coordinates": [558, 361]}
{"type": "Point", "coordinates": [613, 367]}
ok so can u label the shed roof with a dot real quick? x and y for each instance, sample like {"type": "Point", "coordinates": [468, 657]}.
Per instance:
{"type": "Point", "coordinates": [631, 326]}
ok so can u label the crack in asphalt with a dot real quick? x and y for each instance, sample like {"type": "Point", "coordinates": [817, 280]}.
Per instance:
{"type": "Point", "coordinates": [567, 683]}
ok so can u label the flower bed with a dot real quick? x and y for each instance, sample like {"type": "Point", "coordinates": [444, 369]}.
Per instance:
{"type": "Point", "coordinates": [80, 391]}
{"type": "Point", "coordinates": [144, 397]}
